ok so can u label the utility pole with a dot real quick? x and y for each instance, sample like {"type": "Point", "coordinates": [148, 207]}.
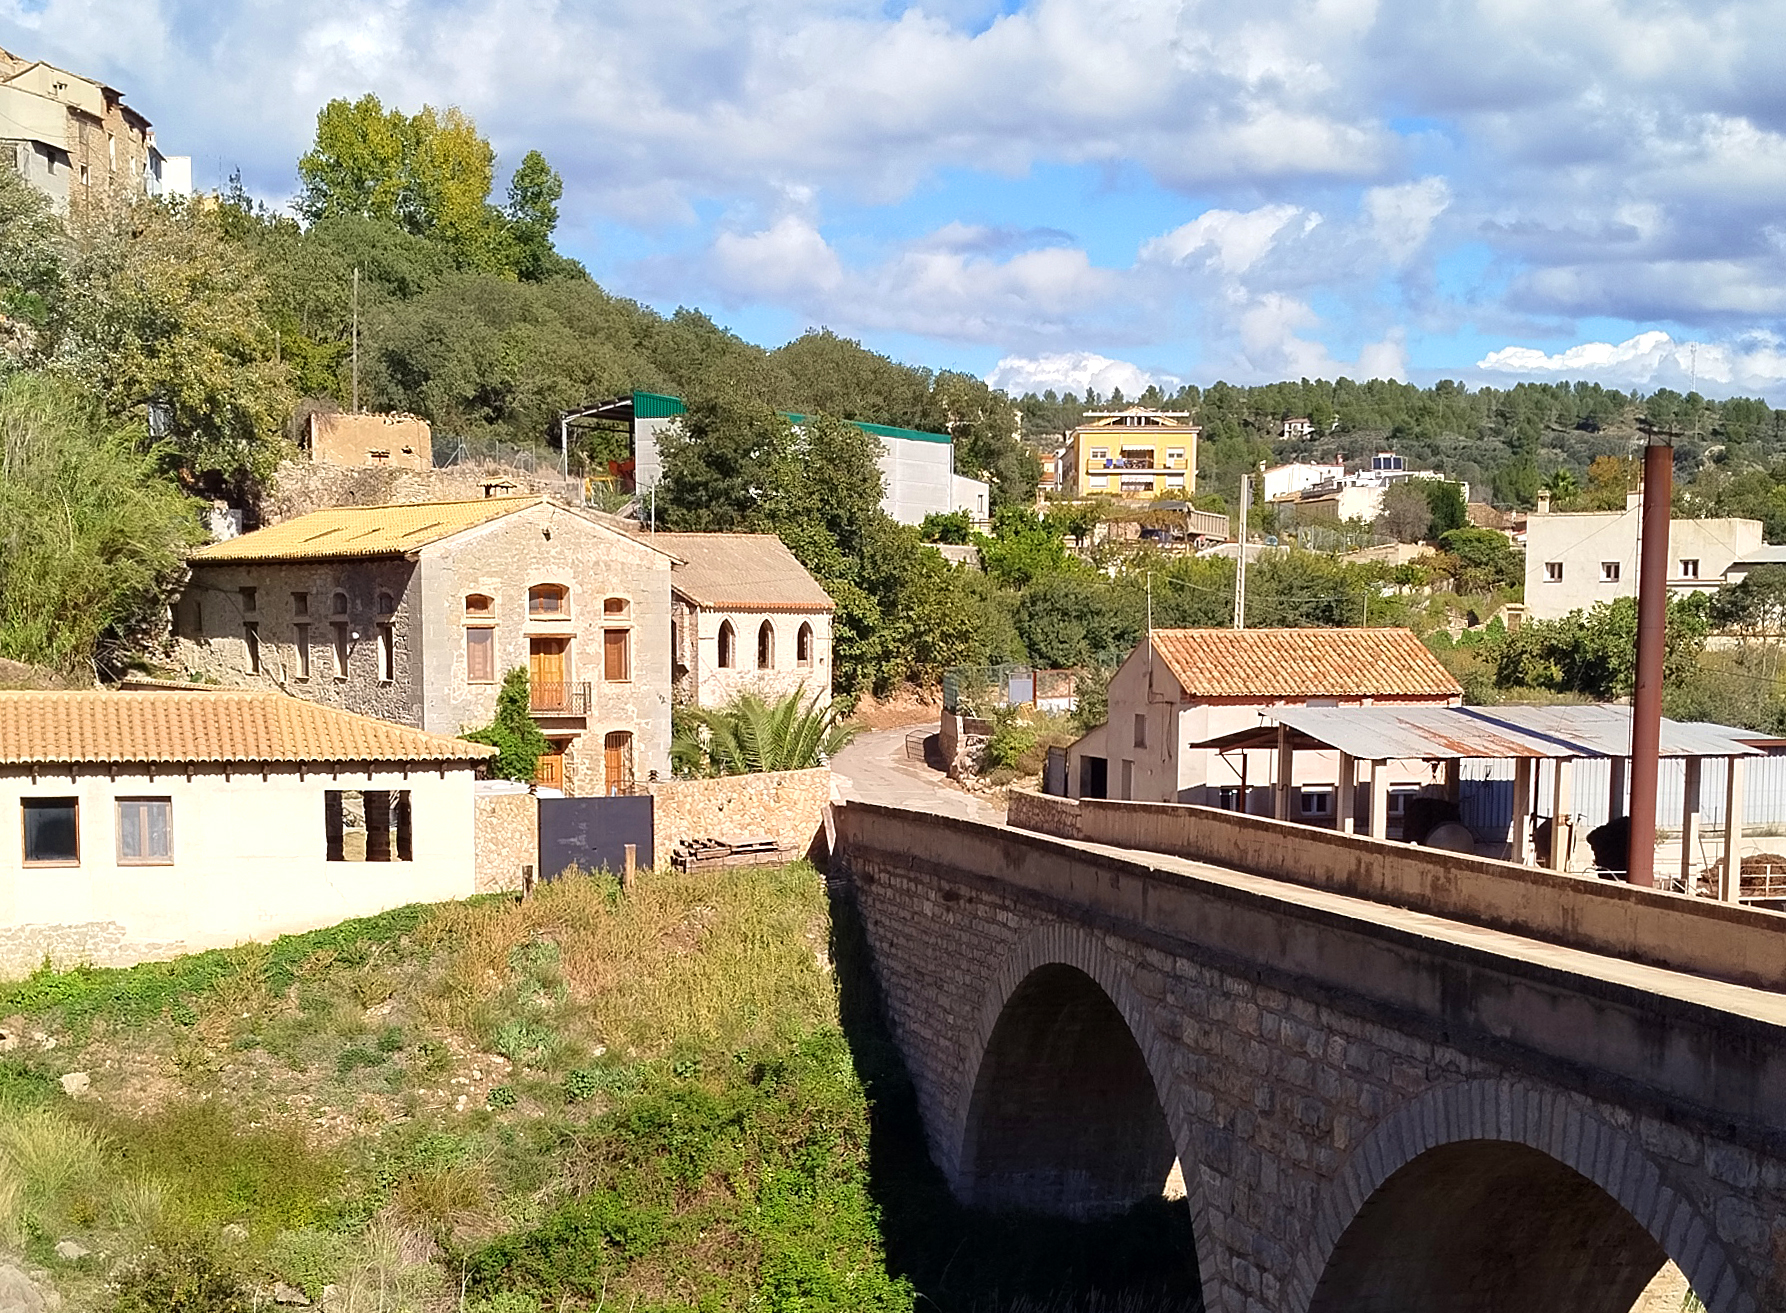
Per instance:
{"type": "Point", "coordinates": [1246, 498]}
{"type": "Point", "coordinates": [564, 445]}
{"type": "Point", "coordinates": [356, 340]}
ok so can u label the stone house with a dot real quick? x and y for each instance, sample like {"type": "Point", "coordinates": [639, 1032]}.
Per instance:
{"type": "Point", "coordinates": [1182, 688]}
{"type": "Point", "coordinates": [745, 617]}
{"type": "Point", "coordinates": [385, 441]}
{"type": "Point", "coordinates": [413, 613]}
{"type": "Point", "coordinates": [146, 824]}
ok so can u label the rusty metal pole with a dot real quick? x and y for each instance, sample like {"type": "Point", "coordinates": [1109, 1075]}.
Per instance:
{"type": "Point", "coordinates": [1652, 636]}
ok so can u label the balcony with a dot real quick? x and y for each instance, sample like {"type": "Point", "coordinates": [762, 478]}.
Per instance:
{"type": "Point", "coordinates": [559, 699]}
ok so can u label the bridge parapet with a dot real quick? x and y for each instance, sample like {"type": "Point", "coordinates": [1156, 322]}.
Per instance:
{"type": "Point", "coordinates": [1720, 941]}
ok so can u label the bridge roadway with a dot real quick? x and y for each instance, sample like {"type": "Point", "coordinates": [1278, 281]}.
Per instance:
{"type": "Point", "coordinates": [1375, 1108]}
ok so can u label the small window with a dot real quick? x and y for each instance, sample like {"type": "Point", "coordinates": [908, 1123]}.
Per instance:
{"type": "Point", "coordinates": [1609, 572]}
{"type": "Point", "coordinates": [387, 654]}
{"type": "Point", "coordinates": [803, 645]}
{"type": "Point", "coordinates": [1100, 480]}
{"type": "Point", "coordinates": [340, 628]}
{"type": "Point", "coordinates": [386, 604]}
{"type": "Point", "coordinates": [1690, 568]}
{"type": "Point", "coordinates": [367, 825]}
{"type": "Point", "coordinates": [616, 608]}
{"type": "Point", "coordinates": [248, 596]}
{"type": "Point", "coordinates": [1098, 453]}
{"type": "Point", "coordinates": [251, 640]}
{"type": "Point", "coordinates": [1317, 802]}
{"type": "Point", "coordinates": [617, 655]}
{"type": "Point", "coordinates": [766, 646]}
{"type": "Point", "coordinates": [300, 603]}
{"type": "Point", "coordinates": [728, 645]}
{"type": "Point", "coordinates": [1553, 572]}
{"type": "Point", "coordinates": [84, 178]}
{"type": "Point", "coordinates": [1398, 801]}
{"type": "Point", "coordinates": [1174, 453]}
{"type": "Point", "coordinates": [52, 831]}
{"type": "Point", "coordinates": [480, 606]}
{"type": "Point", "coordinates": [145, 831]}
{"type": "Point", "coordinates": [548, 601]}
{"type": "Point", "coordinates": [480, 656]}
{"type": "Point", "coordinates": [1140, 729]}
{"type": "Point", "coordinates": [303, 646]}
{"type": "Point", "coordinates": [338, 604]}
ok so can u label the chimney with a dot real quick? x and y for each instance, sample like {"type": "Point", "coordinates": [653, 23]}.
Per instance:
{"type": "Point", "coordinates": [1543, 501]}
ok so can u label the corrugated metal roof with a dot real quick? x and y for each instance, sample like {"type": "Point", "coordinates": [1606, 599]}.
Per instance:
{"type": "Point", "coordinates": [882, 430]}
{"type": "Point", "coordinates": [1261, 664]}
{"type": "Point", "coordinates": [351, 532]}
{"type": "Point", "coordinates": [741, 571]}
{"type": "Point", "coordinates": [179, 726]}
{"type": "Point", "coordinates": [655, 405]}
{"type": "Point", "coordinates": [1471, 733]}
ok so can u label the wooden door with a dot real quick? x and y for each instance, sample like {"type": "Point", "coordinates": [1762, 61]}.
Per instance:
{"type": "Point", "coordinates": [549, 773]}
{"type": "Point", "coordinates": [546, 672]}
{"type": "Point", "coordinates": [617, 762]}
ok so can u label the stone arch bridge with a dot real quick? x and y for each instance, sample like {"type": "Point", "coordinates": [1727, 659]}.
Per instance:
{"type": "Point", "coordinates": [1390, 1086]}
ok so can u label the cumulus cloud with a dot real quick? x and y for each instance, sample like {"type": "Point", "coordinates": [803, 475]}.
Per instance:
{"type": "Point", "coordinates": [1075, 371]}
{"type": "Point", "coordinates": [1655, 359]}
{"type": "Point", "coordinates": [1234, 241]}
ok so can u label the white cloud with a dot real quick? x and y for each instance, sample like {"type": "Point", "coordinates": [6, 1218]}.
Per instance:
{"type": "Point", "coordinates": [1235, 241]}
{"type": "Point", "coordinates": [1401, 217]}
{"type": "Point", "coordinates": [1075, 371]}
{"type": "Point", "coordinates": [1654, 359]}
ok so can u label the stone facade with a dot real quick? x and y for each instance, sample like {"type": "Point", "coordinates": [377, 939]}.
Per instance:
{"type": "Point", "coordinates": [788, 805]}
{"type": "Point", "coordinates": [1369, 1109]}
{"type": "Point", "coordinates": [393, 441]}
{"type": "Point", "coordinates": [300, 487]}
{"type": "Point", "coordinates": [703, 681]}
{"type": "Point", "coordinates": [507, 834]}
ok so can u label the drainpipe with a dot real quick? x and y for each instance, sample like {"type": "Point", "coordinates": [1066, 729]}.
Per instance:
{"type": "Point", "coordinates": [1652, 633]}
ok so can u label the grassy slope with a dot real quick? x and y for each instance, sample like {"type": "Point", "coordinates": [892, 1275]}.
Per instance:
{"type": "Point", "coordinates": [581, 1101]}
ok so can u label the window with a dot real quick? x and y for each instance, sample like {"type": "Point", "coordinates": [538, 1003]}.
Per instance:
{"type": "Point", "coordinates": [617, 762]}
{"type": "Point", "coordinates": [548, 602]}
{"type": "Point", "coordinates": [1098, 453]}
{"type": "Point", "coordinates": [1228, 798]}
{"type": "Point", "coordinates": [616, 608]}
{"type": "Point", "coordinates": [145, 832]}
{"type": "Point", "coordinates": [1553, 572]}
{"type": "Point", "coordinates": [111, 146]}
{"type": "Point", "coordinates": [387, 654]}
{"type": "Point", "coordinates": [1317, 802]}
{"type": "Point", "coordinates": [480, 607]}
{"type": "Point", "coordinates": [480, 656]}
{"type": "Point", "coordinates": [338, 604]}
{"type": "Point", "coordinates": [248, 596]}
{"type": "Point", "coordinates": [1609, 572]}
{"type": "Point", "coordinates": [1398, 802]}
{"type": "Point", "coordinates": [367, 825]}
{"type": "Point", "coordinates": [300, 603]}
{"type": "Point", "coordinates": [766, 646]}
{"type": "Point", "coordinates": [386, 604]}
{"type": "Point", "coordinates": [251, 640]}
{"type": "Point", "coordinates": [803, 646]}
{"type": "Point", "coordinates": [1140, 729]}
{"type": "Point", "coordinates": [1174, 453]}
{"type": "Point", "coordinates": [84, 175]}
{"type": "Point", "coordinates": [1128, 781]}
{"type": "Point", "coordinates": [1175, 480]}
{"type": "Point", "coordinates": [728, 645]}
{"type": "Point", "coordinates": [340, 628]}
{"type": "Point", "coordinates": [303, 645]}
{"type": "Point", "coordinates": [52, 831]}
{"type": "Point", "coordinates": [1690, 568]}
{"type": "Point", "coordinates": [617, 655]}
{"type": "Point", "coordinates": [1100, 481]}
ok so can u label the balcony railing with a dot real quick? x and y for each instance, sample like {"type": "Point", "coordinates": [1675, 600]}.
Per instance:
{"type": "Point", "coordinates": [559, 699]}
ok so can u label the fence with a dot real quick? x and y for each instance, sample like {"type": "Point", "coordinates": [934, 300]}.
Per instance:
{"type": "Point", "coordinates": [981, 690]}
{"type": "Point", "coordinates": [1485, 795]}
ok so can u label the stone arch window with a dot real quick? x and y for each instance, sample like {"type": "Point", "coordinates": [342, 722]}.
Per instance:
{"type": "Point", "coordinates": [548, 602]}
{"type": "Point", "coordinates": [338, 605]}
{"type": "Point", "coordinates": [766, 646]}
{"type": "Point", "coordinates": [728, 645]}
{"type": "Point", "coordinates": [803, 645]}
{"type": "Point", "coordinates": [479, 606]}
{"type": "Point", "coordinates": [387, 605]}
{"type": "Point", "coordinates": [616, 608]}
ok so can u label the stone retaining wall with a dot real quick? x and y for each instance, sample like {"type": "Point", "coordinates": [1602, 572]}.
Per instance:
{"type": "Point", "coordinates": [507, 836]}
{"type": "Point", "coordinates": [787, 805]}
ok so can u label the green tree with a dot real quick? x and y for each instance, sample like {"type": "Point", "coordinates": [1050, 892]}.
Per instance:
{"type": "Point", "coordinates": [1480, 560]}
{"type": "Point", "coordinates": [1445, 500]}
{"type": "Point", "coordinates": [1406, 516]}
{"type": "Point", "coordinates": [1023, 548]}
{"type": "Point", "coordinates": [750, 734]}
{"type": "Point", "coordinates": [720, 463]}
{"type": "Point", "coordinates": [514, 733]}
{"type": "Point", "coordinates": [953, 527]}
{"type": "Point", "coordinates": [534, 193]}
{"type": "Point", "coordinates": [359, 164]}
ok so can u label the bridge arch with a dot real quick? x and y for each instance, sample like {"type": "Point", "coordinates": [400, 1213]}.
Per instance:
{"type": "Point", "coordinates": [1063, 1006]}
{"type": "Point", "coordinates": [1496, 1194]}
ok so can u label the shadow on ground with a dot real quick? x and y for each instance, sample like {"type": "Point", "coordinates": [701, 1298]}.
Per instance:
{"type": "Point", "coordinates": [963, 1260]}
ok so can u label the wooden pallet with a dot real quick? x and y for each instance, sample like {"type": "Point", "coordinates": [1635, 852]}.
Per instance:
{"type": "Point", "coordinates": [718, 854]}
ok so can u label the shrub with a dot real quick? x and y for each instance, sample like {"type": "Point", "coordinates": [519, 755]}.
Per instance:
{"type": "Point", "coordinates": [185, 1276]}
{"type": "Point", "coordinates": [513, 733]}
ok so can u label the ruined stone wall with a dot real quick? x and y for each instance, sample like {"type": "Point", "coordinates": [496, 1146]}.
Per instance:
{"type": "Point", "coordinates": [1291, 1100]}
{"type": "Point", "coordinates": [507, 836]}
{"type": "Point", "coordinates": [788, 805]}
{"type": "Point", "coordinates": [300, 487]}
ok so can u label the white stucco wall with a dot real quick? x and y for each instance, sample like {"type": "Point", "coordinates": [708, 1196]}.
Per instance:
{"type": "Point", "coordinates": [716, 685]}
{"type": "Point", "coordinates": [1582, 542]}
{"type": "Point", "coordinates": [249, 862]}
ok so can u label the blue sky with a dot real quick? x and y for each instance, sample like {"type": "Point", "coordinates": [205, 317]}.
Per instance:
{"type": "Point", "coordinates": [1064, 192]}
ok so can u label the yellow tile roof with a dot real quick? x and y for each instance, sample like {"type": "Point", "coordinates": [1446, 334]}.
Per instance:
{"type": "Point", "coordinates": [1304, 663]}
{"type": "Point", "coordinates": [179, 726]}
{"type": "Point", "coordinates": [345, 532]}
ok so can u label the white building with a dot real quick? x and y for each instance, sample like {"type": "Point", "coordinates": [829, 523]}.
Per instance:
{"type": "Point", "coordinates": [1180, 688]}
{"type": "Point", "coordinates": [147, 824]}
{"type": "Point", "coordinates": [1282, 480]}
{"type": "Point", "coordinates": [1342, 496]}
{"type": "Point", "coordinates": [1575, 559]}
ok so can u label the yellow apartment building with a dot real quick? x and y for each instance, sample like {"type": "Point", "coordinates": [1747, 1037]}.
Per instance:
{"type": "Point", "coordinates": [1132, 453]}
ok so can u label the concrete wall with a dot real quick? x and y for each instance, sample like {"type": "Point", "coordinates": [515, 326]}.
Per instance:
{"type": "Point", "coordinates": [711, 685]}
{"type": "Point", "coordinates": [507, 827]}
{"type": "Point", "coordinates": [1305, 1048]}
{"type": "Point", "coordinates": [919, 477]}
{"type": "Point", "coordinates": [1581, 542]}
{"type": "Point", "coordinates": [788, 805]}
{"type": "Point", "coordinates": [383, 441]}
{"type": "Point", "coordinates": [1724, 941]}
{"type": "Point", "coordinates": [249, 861]}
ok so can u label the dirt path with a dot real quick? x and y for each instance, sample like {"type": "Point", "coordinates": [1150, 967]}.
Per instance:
{"type": "Point", "coordinates": [877, 768]}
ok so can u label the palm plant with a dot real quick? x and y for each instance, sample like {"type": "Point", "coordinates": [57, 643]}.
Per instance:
{"type": "Point", "coordinates": [752, 734]}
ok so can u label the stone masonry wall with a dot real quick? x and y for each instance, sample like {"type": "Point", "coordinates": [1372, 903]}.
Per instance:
{"type": "Point", "coordinates": [507, 834]}
{"type": "Point", "coordinates": [1288, 1107]}
{"type": "Point", "coordinates": [24, 948]}
{"type": "Point", "coordinates": [790, 805]}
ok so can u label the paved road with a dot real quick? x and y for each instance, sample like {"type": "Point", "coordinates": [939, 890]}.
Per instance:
{"type": "Point", "coordinates": [875, 769]}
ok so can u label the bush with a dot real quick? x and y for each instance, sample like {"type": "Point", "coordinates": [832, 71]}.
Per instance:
{"type": "Point", "coordinates": [1012, 737]}
{"type": "Point", "coordinates": [513, 733]}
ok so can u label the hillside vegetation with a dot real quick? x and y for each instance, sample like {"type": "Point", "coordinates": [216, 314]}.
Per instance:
{"type": "Point", "coordinates": [673, 1100]}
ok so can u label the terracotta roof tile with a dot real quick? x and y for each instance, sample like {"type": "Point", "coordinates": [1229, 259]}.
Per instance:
{"type": "Point", "coordinates": [345, 532]}
{"type": "Point", "coordinates": [745, 571]}
{"type": "Point", "coordinates": [1303, 663]}
{"type": "Point", "coordinates": [183, 726]}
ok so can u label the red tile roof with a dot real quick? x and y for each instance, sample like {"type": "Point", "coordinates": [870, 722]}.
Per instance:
{"type": "Point", "coordinates": [1303, 663]}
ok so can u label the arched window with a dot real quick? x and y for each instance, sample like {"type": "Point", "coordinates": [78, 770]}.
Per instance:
{"type": "Point", "coordinates": [548, 602]}
{"type": "Point", "coordinates": [616, 608]}
{"type": "Point", "coordinates": [339, 605]}
{"type": "Point", "coordinates": [803, 645]}
{"type": "Point", "coordinates": [766, 647]}
{"type": "Point", "coordinates": [728, 645]}
{"type": "Point", "coordinates": [386, 605]}
{"type": "Point", "coordinates": [480, 607]}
